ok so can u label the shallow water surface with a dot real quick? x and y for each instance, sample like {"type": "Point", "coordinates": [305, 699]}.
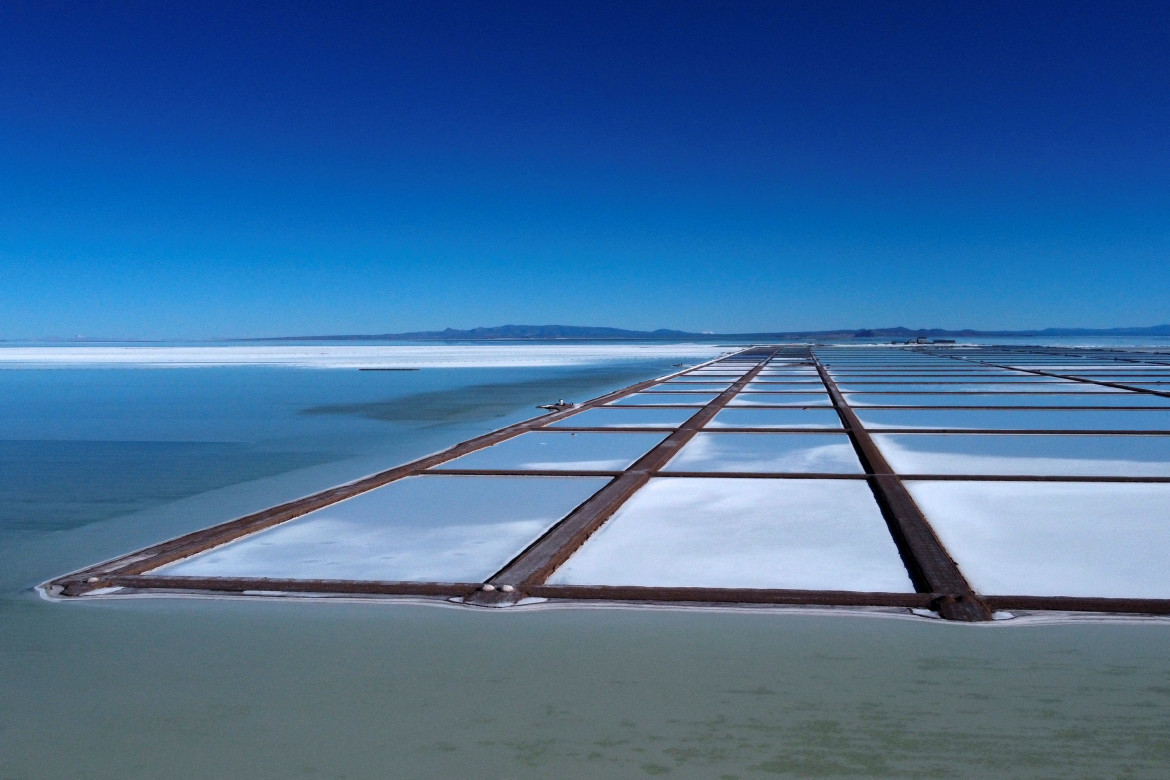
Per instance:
{"type": "Point", "coordinates": [97, 462]}
{"type": "Point", "coordinates": [333, 690]}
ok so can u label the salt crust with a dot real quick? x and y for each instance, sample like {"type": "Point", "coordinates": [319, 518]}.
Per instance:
{"type": "Point", "coordinates": [1009, 419]}
{"type": "Point", "coordinates": [547, 451]}
{"type": "Point", "coordinates": [779, 417]}
{"type": "Point", "coordinates": [1061, 400]}
{"type": "Point", "coordinates": [784, 453]}
{"type": "Point", "coordinates": [764, 383]}
{"type": "Point", "coordinates": [610, 417]}
{"type": "Point", "coordinates": [664, 399]}
{"type": "Point", "coordinates": [960, 387]}
{"type": "Point", "coordinates": [418, 529]}
{"type": "Point", "coordinates": [409, 356]}
{"type": "Point", "coordinates": [743, 533]}
{"type": "Point", "coordinates": [781, 399]}
{"type": "Point", "coordinates": [1026, 455]}
{"type": "Point", "coordinates": [675, 385]}
{"type": "Point", "coordinates": [1054, 538]}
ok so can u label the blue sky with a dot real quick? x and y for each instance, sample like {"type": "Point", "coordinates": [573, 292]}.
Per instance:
{"type": "Point", "coordinates": [191, 170]}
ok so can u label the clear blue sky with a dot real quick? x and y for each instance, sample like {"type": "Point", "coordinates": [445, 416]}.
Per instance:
{"type": "Point", "coordinates": [172, 169]}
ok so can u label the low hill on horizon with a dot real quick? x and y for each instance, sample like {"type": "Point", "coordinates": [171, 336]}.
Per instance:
{"type": "Point", "coordinates": [547, 332]}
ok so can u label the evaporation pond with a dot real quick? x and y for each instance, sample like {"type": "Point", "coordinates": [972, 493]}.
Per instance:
{"type": "Point", "coordinates": [781, 453]}
{"type": "Point", "coordinates": [548, 451]}
{"type": "Point", "coordinates": [674, 386]}
{"type": "Point", "coordinates": [779, 417]}
{"type": "Point", "coordinates": [963, 387]}
{"type": "Point", "coordinates": [665, 399]}
{"type": "Point", "coordinates": [994, 377]}
{"type": "Point", "coordinates": [1066, 400]}
{"type": "Point", "coordinates": [743, 533]}
{"type": "Point", "coordinates": [1054, 538]}
{"type": "Point", "coordinates": [418, 529]}
{"type": "Point", "coordinates": [781, 382]}
{"type": "Point", "coordinates": [1015, 419]}
{"type": "Point", "coordinates": [781, 399]}
{"type": "Point", "coordinates": [609, 417]}
{"type": "Point", "coordinates": [1070, 455]}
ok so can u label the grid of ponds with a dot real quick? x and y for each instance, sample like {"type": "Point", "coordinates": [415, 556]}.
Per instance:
{"type": "Point", "coordinates": [961, 481]}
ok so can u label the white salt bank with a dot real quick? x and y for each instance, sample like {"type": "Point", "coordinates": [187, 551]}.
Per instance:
{"type": "Point", "coordinates": [418, 529]}
{"type": "Point", "coordinates": [1054, 538]}
{"type": "Point", "coordinates": [792, 453]}
{"type": "Point", "coordinates": [1038, 455]}
{"type": "Point", "coordinates": [561, 451]}
{"type": "Point", "coordinates": [743, 533]}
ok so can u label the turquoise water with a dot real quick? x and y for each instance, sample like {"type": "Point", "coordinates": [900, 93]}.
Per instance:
{"type": "Point", "coordinates": [96, 462]}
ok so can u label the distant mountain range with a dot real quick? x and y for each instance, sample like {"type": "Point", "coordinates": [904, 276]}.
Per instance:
{"type": "Point", "coordinates": [547, 332]}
